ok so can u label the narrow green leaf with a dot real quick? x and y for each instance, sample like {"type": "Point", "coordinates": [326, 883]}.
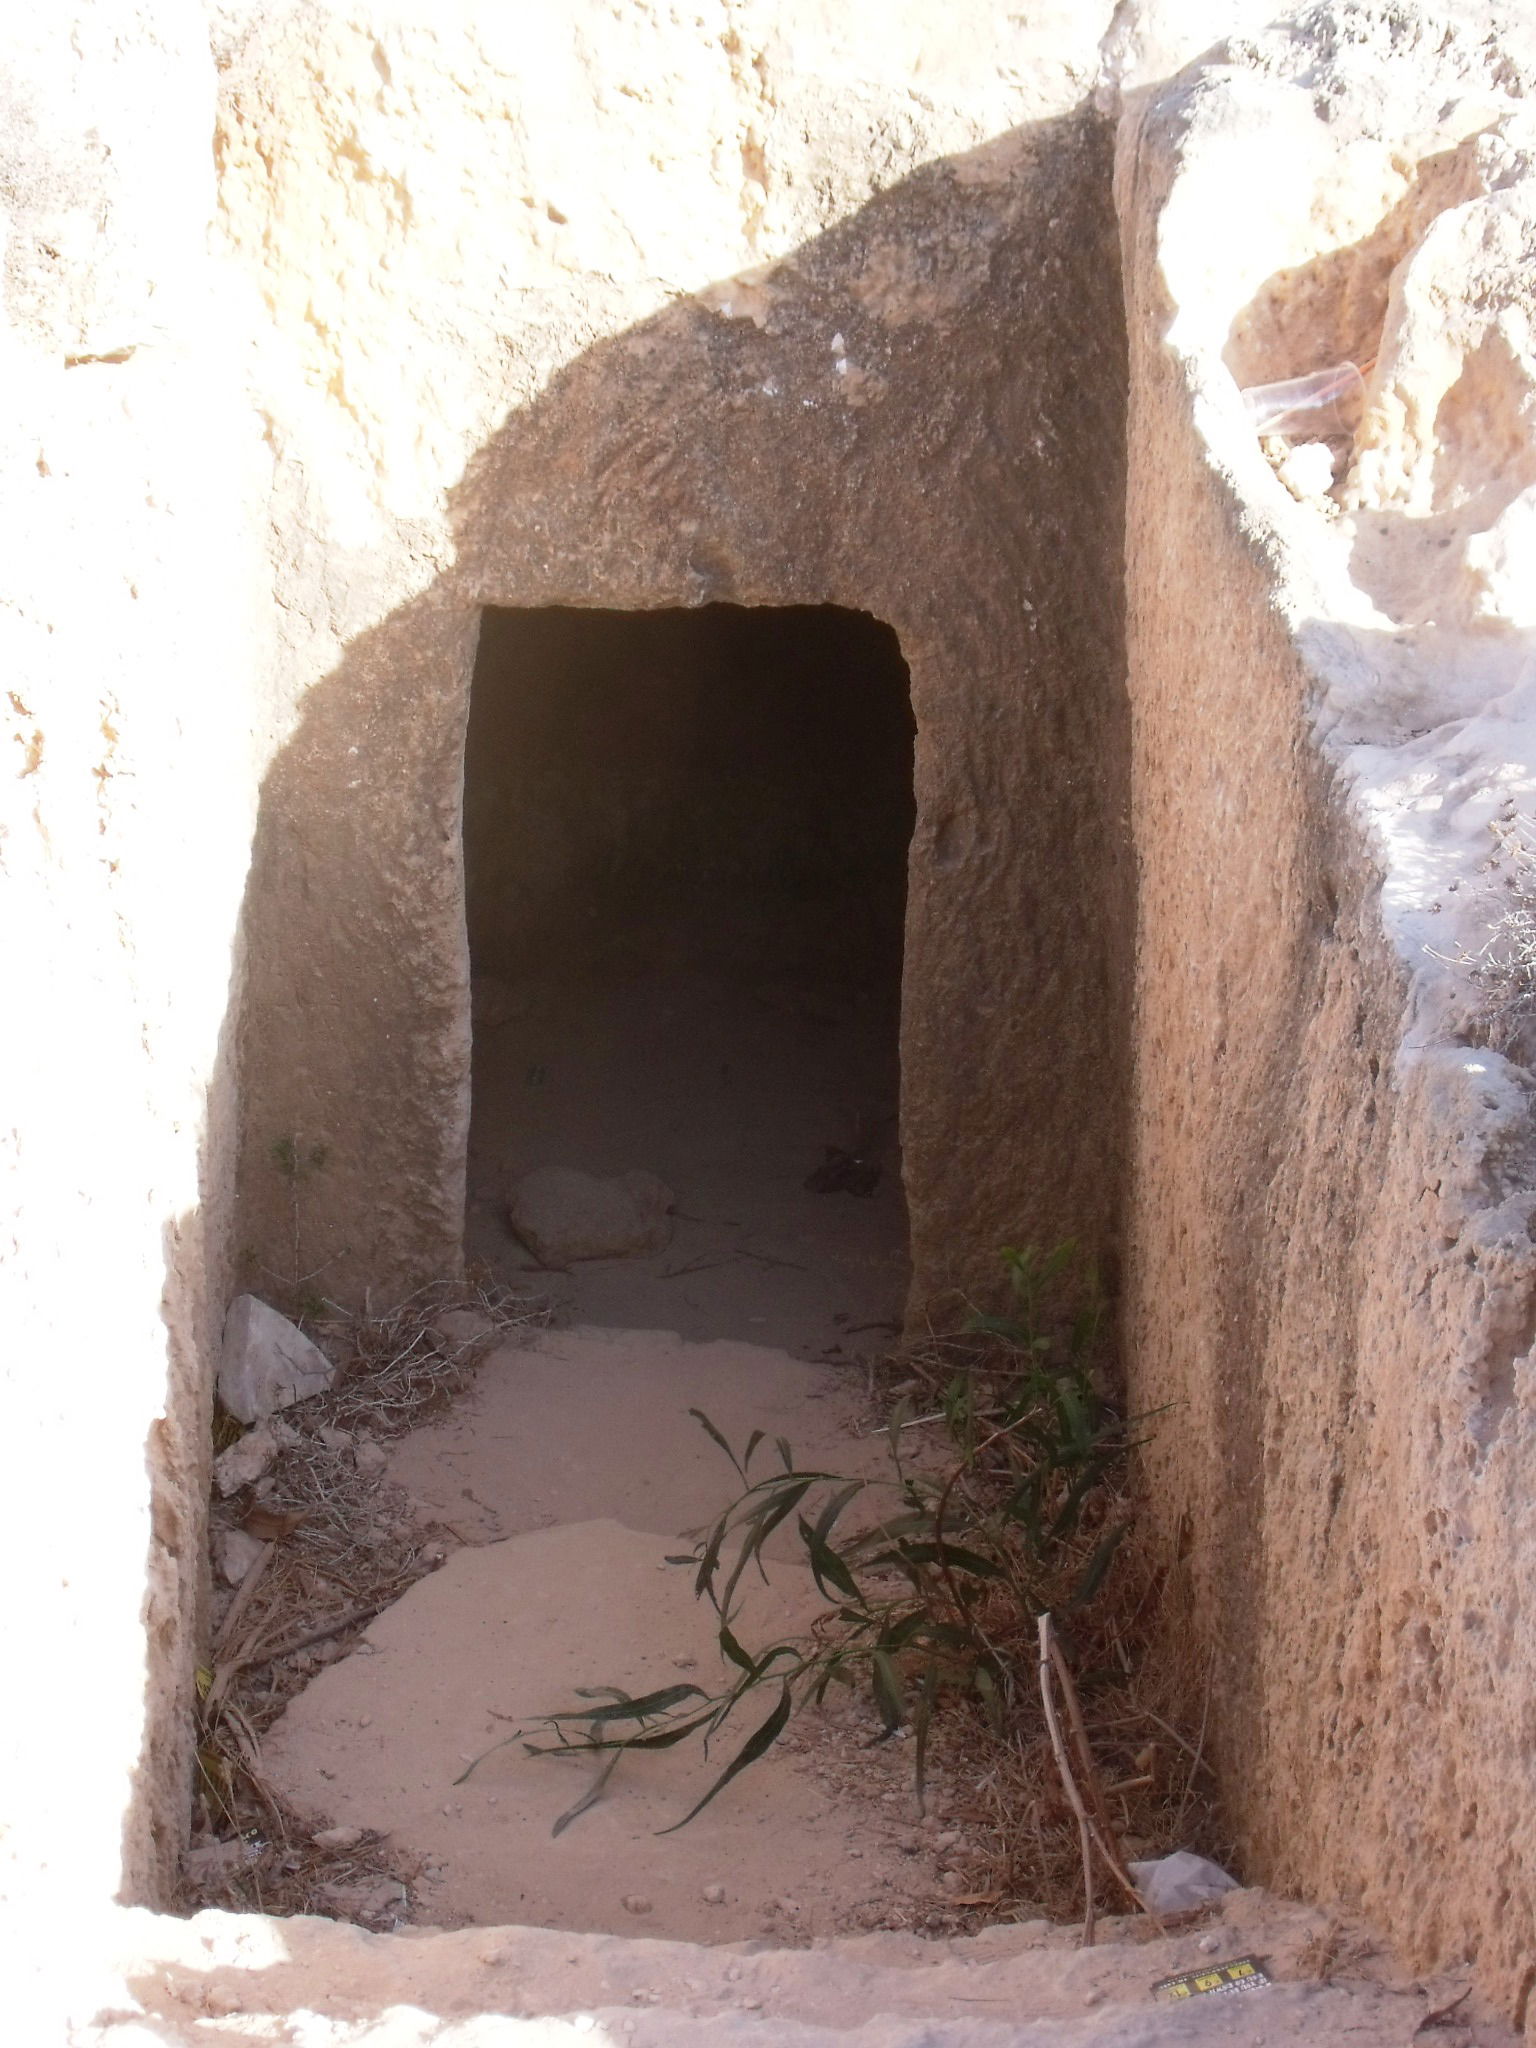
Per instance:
{"type": "Point", "coordinates": [971, 1562]}
{"type": "Point", "coordinates": [710, 1430]}
{"type": "Point", "coordinates": [590, 1797]}
{"type": "Point", "coordinates": [900, 1415]}
{"type": "Point", "coordinates": [752, 1443]}
{"type": "Point", "coordinates": [887, 1691]}
{"type": "Point", "coordinates": [643, 1709]}
{"type": "Point", "coordinates": [766, 1520]}
{"type": "Point", "coordinates": [754, 1747]}
{"type": "Point", "coordinates": [733, 1649]}
{"type": "Point", "coordinates": [1098, 1565]}
{"type": "Point", "coordinates": [991, 1699]}
{"type": "Point", "coordinates": [826, 1564]}
{"type": "Point", "coordinates": [922, 1718]}
{"type": "Point", "coordinates": [480, 1759]}
{"type": "Point", "coordinates": [786, 1455]}
{"type": "Point", "coordinates": [663, 1738]}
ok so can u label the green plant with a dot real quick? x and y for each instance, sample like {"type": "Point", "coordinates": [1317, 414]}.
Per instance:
{"type": "Point", "coordinates": [939, 1594]}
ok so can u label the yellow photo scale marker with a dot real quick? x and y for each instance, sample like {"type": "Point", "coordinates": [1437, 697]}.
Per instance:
{"type": "Point", "coordinates": [1244, 1973]}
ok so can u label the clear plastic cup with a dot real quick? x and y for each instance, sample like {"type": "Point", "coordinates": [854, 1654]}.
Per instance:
{"type": "Point", "coordinates": [1311, 408]}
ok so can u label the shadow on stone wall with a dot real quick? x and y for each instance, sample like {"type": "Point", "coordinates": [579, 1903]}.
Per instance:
{"type": "Point", "coordinates": [919, 415]}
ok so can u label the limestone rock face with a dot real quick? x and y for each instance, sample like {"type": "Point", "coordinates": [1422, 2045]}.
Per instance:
{"type": "Point", "coordinates": [797, 314]}
{"type": "Point", "coordinates": [824, 307]}
{"type": "Point", "coordinates": [563, 1215]}
{"type": "Point", "coordinates": [266, 1362]}
{"type": "Point", "coordinates": [1334, 699]}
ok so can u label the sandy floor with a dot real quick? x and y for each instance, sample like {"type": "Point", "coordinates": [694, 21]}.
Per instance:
{"type": "Point", "coordinates": [570, 1473]}
{"type": "Point", "coordinates": [731, 1091]}
{"type": "Point", "coordinates": [574, 1468]}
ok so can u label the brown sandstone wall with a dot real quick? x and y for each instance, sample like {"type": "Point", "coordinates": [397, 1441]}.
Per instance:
{"type": "Point", "coordinates": [913, 409]}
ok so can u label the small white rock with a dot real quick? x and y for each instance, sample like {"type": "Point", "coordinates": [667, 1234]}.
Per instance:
{"type": "Point", "coordinates": [337, 1838]}
{"type": "Point", "coordinates": [216, 1859]}
{"type": "Point", "coordinates": [266, 1362]}
{"type": "Point", "coordinates": [714, 1895]}
{"type": "Point", "coordinates": [370, 1457]}
{"type": "Point", "coordinates": [235, 1551]}
{"type": "Point", "coordinates": [245, 1461]}
{"type": "Point", "coordinates": [636, 1902]}
{"type": "Point", "coordinates": [1307, 472]}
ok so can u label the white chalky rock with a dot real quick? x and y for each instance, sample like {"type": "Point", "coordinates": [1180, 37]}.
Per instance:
{"type": "Point", "coordinates": [563, 1215]}
{"type": "Point", "coordinates": [245, 1461]}
{"type": "Point", "coordinates": [266, 1362]}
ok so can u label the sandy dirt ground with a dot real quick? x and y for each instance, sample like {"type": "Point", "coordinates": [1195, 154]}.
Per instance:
{"type": "Point", "coordinates": [731, 1091]}
{"type": "Point", "coordinates": [570, 1473]}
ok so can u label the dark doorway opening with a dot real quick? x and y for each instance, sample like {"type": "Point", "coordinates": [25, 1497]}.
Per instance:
{"type": "Point", "coordinates": [686, 840]}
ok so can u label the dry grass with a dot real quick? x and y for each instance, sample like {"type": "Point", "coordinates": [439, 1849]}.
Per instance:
{"type": "Point", "coordinates": [343, 1545]}
{"type": "Point", "coordinates": [1503, 969]}
{"type": "Point", "coordinates": [1155, 1783]}
{"type": "Point", "coordinates": [356, 1548]}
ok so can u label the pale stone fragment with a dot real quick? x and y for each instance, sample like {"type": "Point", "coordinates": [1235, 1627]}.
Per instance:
{"type": "Point", "coordinates": [266, 1362]}
{"type": "Point", "coordinates": [563, 1215]}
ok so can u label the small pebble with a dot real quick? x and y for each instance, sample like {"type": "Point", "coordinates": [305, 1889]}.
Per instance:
{"type": "Point", "coordinates": [636, 1902]}
{"type": "Point", "coordinates": [337, 1838]}
{"type": "Point", "coordinates": [1207, 1944]}
{"type": "Point", "coordinates": [1093, 1997]}
{"type": "Point", "coordinates": [714, 1895]}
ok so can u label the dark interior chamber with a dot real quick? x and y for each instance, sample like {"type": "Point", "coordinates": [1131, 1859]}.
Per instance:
{"type": "Point", "coordinates": [686, 840]}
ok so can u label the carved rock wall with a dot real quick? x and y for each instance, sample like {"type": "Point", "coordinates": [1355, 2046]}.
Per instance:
{"type": "Point", "coordinates": [783, 313]}
{"type": "Point", "coordinates": [1332, 1273]}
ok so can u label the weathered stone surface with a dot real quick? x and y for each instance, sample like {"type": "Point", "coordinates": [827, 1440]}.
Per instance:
{"type": "Point", "coordinates": [1330, 1264]}
{"type": "Point", "coordinates": [258, 500]}
{"type": "Point", "coordinates": [236, 1550]}
{"type": "Point", "coordinates": [562, 1214]}
{"type": "Point", "coordinates": [246, 1460]}
{"type": "Point", "coordinates": [266, 1363]}
{"type": "Point", "coordinates": [887, 376]}
{"type": "Point", "coordinates": [1005, 1987]}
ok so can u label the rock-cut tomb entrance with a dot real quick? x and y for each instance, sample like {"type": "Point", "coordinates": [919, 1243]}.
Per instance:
{"type": "Point", "coordinates": [686, 838]}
